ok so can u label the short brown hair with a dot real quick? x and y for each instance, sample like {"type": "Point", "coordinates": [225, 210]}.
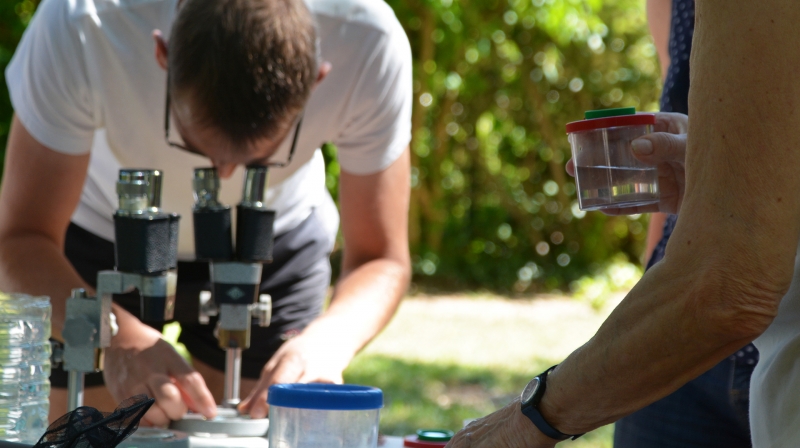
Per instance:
{"type": "Point", "coordinates": [247, 66]}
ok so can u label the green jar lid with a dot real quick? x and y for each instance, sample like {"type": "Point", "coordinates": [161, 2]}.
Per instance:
{"type": "Point", "coordinates": [603, 113]}
{"type": "Point", "coordinates": [435, 435]}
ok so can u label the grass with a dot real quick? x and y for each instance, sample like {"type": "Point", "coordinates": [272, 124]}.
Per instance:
{"type": "Point", "coordinates": [445, 360]}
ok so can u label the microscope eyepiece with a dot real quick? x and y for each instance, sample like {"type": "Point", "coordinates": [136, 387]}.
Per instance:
{"type": "Point", "coordinates": [146, 239]}
{"type": "Point", "coordinates": [205, 186]}
{"type": "Point", "coordinates": [254, 221]}
{"type": "Point", "coordinates": [213, 238]}
{"type": "Point", "coordinates": [139, 191]}
{"type": "Point", "coordinates": [256, 181]}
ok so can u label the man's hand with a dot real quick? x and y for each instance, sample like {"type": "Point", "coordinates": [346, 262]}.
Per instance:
{"type": "Point", "coordinates": [299, 360]}
{"type": "Point", "coordinates": [376, 269]}
{"type": "Point", "coordinates": [140, 362]}
{"type": "Point", "coordinates": [665, 149]}
{"type": "Point", "coordinates": [506, 428]}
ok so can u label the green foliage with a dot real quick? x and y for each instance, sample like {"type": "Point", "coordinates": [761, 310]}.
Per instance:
{"type": "Point", "coordinates": [14, 15]}
{"type": "Point", "coordinates": [495, 83]}
{"type": "Point", "coordinates": [614, 276]}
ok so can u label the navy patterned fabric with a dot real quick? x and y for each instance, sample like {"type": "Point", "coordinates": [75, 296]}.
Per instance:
{"type": "Point", "coordinates": [675, 97]}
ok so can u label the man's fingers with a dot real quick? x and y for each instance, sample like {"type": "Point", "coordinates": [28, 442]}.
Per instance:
{"type": "Point", "coordinates": [155, 416]}
{"type": "Point", "coordinates": [571, 167]}
{"type": "Point", "coordinates": [168, 396]}
{"type": "Point", "coordinates": [195, 393]}
{"type": "Point", "coordinates": [258, 403]}
{"type": "Point", "coordinates": [273, 373]}
{"type": "Point", "coordinates": [279, 369]}
{"type": "Point", "coordinates": [317, 377]}
{"type": "Point", "coordinates": [190, 385]}
{"type": "Point", "coordinates": [660, 147]}
{"type": "Point", "coordinates": [252, 405]}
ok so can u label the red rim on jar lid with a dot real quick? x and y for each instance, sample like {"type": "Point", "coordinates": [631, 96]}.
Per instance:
{"type": "Point", "coordinates": [609, 118]}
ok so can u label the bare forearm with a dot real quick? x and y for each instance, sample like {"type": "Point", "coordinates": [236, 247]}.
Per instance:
{"type": "Point", "coordinates": [35, 265]}
{"type": "Point", "coordinates": [662, 335]}
{"type": "Point", "coordinates": [376, 264]}
{"type": "Point", "coordinates": [731, 256]}
{"type": "Point", "coordinates": [35, 210]}
{"type": "Point", "coordinates": [363, 302]}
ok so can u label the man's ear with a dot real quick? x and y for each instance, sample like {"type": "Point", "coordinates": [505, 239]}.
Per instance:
{"type": "Point", "coordinates": [161, 49]}
{"type": "Point", "coordinates": [324, 69]}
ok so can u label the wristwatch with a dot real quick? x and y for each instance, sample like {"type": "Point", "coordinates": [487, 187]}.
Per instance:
{"type": "Point", "coordinates": [529, 404]}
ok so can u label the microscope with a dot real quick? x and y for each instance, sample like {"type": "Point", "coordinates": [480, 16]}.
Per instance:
{"type": "Point", "coordinates": [146, 261]}
{"type": "Point", "coordinates": [145, 255]}
{"type": "Point", "coordinates": [235, 273]}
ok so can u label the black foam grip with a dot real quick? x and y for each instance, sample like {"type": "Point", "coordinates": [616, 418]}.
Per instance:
{"type": "Point", "coordinates": [212, 235]}
{"type": "Point", "coordinates": [174, 228]}
{"type": "Point", "coordinates": [143, 244]}
{"type": "Point", "coordinates": [254, 234]}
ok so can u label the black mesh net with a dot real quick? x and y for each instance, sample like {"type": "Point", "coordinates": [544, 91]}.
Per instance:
{"type": "Point", "coordinates": [86, 427]}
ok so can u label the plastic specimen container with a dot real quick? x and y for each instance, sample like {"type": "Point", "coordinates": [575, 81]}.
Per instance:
{"type": "Point", "coordinates": [607, 174]}
{"type": "Point", "coordinates": [324, 416]}
{"type": "Point", "coordinates": [428, 438]}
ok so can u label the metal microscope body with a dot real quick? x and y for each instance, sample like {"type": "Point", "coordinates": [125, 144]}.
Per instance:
{"type": "Point", "coordinates": [145, 260]}
{"type": "Point", "coordinates": [235, 274]}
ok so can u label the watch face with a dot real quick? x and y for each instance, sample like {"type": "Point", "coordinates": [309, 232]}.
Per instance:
{"type": "Point", "coordinates": [530, 390]}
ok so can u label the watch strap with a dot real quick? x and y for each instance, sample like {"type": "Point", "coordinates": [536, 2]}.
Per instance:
{"type": "Point", "coordinates": [531, 410]}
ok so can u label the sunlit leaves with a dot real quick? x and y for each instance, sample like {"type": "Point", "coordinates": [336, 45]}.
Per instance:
{"type": "Point", "coordinates": [14, 16]}
{"type": "Point", "coordinates": [495, 83]}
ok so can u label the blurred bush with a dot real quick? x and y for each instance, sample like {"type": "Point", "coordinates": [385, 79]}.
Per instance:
{"type": "Point", "coordinates": [495, 81]}
{"type": "Point", "coordinates": [14, 15]}
{"type": "Point", "coordinates": [615, 275]}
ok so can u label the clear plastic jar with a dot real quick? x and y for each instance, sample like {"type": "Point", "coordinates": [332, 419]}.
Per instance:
{"type": "Point", "coordinates": [324, 416]}
{"type": "Point", "coordinates": [607, 174]}
{"type": "Point", "coordinates": [24, 367]}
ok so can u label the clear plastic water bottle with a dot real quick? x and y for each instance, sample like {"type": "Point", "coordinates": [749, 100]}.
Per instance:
{"type": "Point", "coordinates": [24, 367]}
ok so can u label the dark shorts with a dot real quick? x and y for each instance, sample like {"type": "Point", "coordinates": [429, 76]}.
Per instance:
{"type": "Point", "coordinates": [707, 412]}
{"type": "Point", "coordinates": [297, 279]}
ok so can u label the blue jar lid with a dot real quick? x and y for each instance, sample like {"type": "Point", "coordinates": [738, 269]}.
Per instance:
{"type": "Point", "coordinates": [333, 397]}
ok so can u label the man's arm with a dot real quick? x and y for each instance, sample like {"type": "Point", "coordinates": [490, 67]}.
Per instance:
{"type": "Point", "coordinates": [40, 190]}
{"type": "Point", "coordinates": [731, 256]}
{"type": "Point", "coordinates": [376, 268]}
{"type": "Point", "coordinates": [375, 275]}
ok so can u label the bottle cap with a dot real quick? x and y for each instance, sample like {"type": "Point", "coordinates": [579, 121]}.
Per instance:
{"type": "Point", "coordinates": [610, 118]}
{"type": "Point", "coordinates": [603, 113]}
{"type": "Point", "coordinates": [428, 438]}
{"type": "Point", "coordinates": [341, 397]}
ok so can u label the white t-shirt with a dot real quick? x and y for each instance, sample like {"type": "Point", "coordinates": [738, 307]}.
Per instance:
{"type": "Point", "coordinates": [84, 78]}
{"type": "Point", "coordinates": [775, 384]}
